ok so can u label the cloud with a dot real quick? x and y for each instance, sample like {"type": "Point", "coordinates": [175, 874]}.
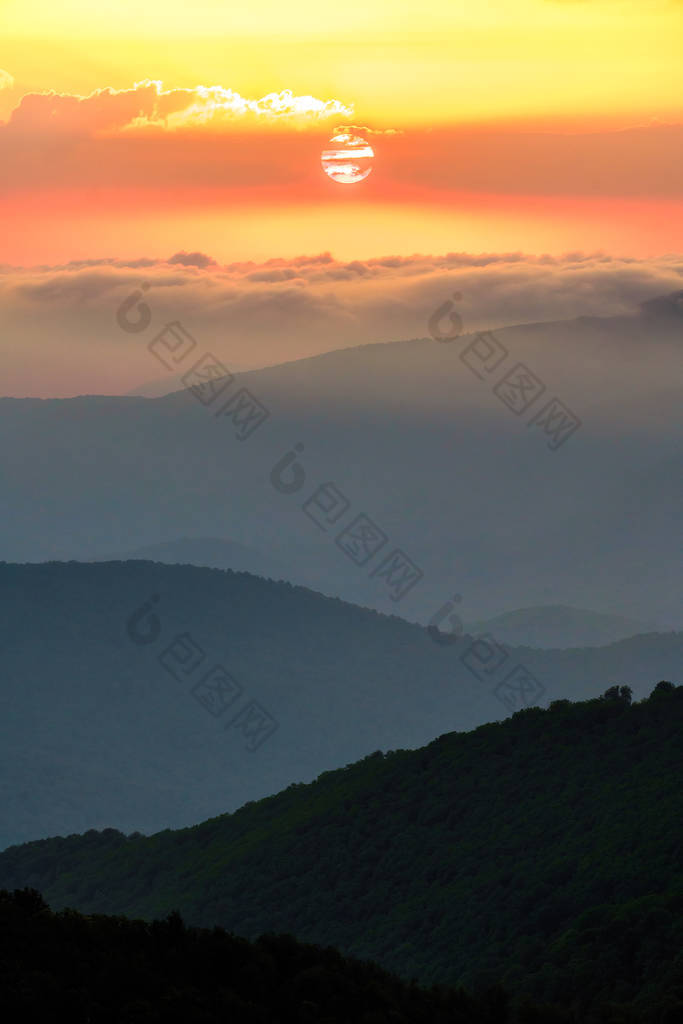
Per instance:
{"type": "Point", "coordinates": [148, 106]}
{"type": "Point", "coordinates": [193, 259]}
{"type": "Point", "coordinates": [6, 80]}
{"type": "Point", "coordinates": [367, 131]}
{"type": "Point", "coordinates": [61, 337]}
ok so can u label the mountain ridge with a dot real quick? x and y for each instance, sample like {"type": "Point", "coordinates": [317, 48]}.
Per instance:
{"type": "Point", "coordinates": [102, 728]}
{"type": "Point", "coordinates": [541, 853]}
{"type": "Point", "coordinates": [411, 437]}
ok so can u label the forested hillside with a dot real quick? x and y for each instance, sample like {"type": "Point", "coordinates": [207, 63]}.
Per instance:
{"type": "Point", "coordinates": [543, 853]}
{"type": "Point", "coordinates": [69, 968]}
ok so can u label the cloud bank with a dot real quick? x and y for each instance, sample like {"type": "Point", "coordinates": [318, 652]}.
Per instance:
{"type": "Point", "coordinates": [61, 337]}
{"type": "Point", "coordinates": [148, 106]}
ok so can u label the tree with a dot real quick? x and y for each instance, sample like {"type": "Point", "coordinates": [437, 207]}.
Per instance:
{"type": "Point", "coordinates": [663, 689]}
{"type": "Point", "coordinates": [623, 693]}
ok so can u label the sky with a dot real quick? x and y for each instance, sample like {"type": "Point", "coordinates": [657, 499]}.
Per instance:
{"type": "Point", "coordinates": [136, 132]}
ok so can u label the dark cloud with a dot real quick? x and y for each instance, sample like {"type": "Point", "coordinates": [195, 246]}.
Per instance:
{"type": "Point", "coordinates": [193, 259]}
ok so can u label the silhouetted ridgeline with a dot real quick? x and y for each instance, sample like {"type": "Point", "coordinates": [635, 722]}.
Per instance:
{"type": "Point", "coordinates": [542, 853]}
{"type": "Point", "coordinates": [65, 967]}
{"type": "Point", "coordinates": [101, 728]}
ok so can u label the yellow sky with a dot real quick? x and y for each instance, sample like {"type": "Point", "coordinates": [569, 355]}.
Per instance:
{"type": "Point", "coordinates": [398, 62]}
{"type": "Point", "coordinates": [519, 65]}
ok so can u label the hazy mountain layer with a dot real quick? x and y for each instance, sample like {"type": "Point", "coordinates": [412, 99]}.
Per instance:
{"type": "Point", "coordinates": [432, 442]}
{"type": "Point", "coordinates": [559, 626]}
{"type": "Point", "coordinates": [545, 626]}
{"type": "Point", "coordinates": [244, 686]}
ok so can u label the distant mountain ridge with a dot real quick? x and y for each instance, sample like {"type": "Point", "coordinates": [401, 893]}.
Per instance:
{"type": "Point", "coordinates": [117, 707]}
{"type": "Point", "coordinates": [208, 552]}
{"type": "Point", "coordinates": [160, 386]}
{"type": "Point", "coordinates": [411, 437]}
{"type": "Point", "coordinates": [559, 626]}
{"type": "Point", "coordinates": [547, 626]}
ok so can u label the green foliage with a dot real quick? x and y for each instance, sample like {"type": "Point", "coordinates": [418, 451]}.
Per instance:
{"type": "Point", "coordinates": [541, 853]}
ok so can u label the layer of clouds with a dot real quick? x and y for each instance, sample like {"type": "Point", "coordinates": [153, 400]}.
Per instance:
{"type": "Point", "coordinates": [365, 130]}
{"type": "Point", "coordinates": [61, 336]}
{"type": "Point", "coordinates": [193, 259]}
{"type": "Point", "coordinates": [147, 105]}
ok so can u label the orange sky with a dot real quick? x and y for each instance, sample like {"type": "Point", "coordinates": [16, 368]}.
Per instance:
{"type": "Point", "coordinates": [143, 129]}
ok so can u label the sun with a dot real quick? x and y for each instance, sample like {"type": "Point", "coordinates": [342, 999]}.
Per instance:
{"type": "Point", "coordinates": [347, 159]}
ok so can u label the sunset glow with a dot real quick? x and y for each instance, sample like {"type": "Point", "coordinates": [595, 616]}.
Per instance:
{"type": "Point", "coordinates": [222, 109]}
{"type": "Point", "coordinates": [534, 126]}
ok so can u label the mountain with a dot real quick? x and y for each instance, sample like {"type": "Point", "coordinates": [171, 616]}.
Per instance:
{"type": "Point", "coordinates": [211, 552]}
{"type": "Point", "coordinates": [559, 626]}
{"type": "Point", "coordinates": [545, 626]}
{"type": "Point", "coordinates": [222, 553]}
{"type": "Point", "coordinates": [424, 440]}
{"type": "Point", "coordinates": [142, 696]}
{"type": "Point", "coordinates": [67, 967]}
{"type": "Point", "coordinates": [160, 386]}
{"type": "Point", "coordinates": [542, 853]}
